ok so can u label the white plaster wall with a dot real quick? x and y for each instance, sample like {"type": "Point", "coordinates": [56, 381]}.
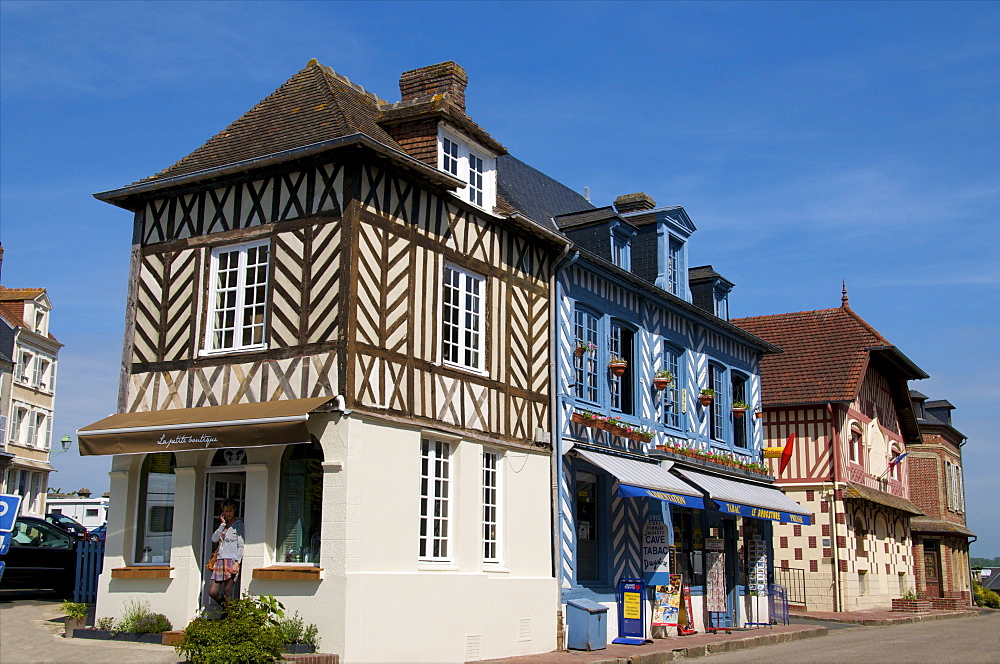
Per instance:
{"type": "Point", "coordinates": [374, 602]}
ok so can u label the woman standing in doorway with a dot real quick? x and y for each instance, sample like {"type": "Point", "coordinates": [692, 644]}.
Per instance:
{"type": "Point", "coordinates": [229, 553]}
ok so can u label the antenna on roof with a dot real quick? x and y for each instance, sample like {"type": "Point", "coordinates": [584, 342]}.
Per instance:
{"type": "Point", "coordinates": [843, 295]}
{"type": "Point", "coordinates": [586, 193]}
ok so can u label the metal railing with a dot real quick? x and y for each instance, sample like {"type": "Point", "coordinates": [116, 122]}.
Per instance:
{"type": "Point", "coordinates": [794, 582]}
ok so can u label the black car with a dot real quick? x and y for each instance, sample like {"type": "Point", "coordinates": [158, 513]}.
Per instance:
{"type": "Point", "coordinates": [41, 557]}
{"type": "Point", "coordinates": [69, 524]}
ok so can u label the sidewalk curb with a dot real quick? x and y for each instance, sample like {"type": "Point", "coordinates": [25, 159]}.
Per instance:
{"type": "Point", "coordinates": [703, 650]}
{"type": "Point", "coordinates": [896, 620]}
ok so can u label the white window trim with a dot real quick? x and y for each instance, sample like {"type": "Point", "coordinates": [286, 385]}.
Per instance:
{"type": "Point", "coordinates": [467, 146]}
{"type": "Point", "coordinates": [465, 276]}
{"type": "Point", "coordinates": [497, 561]}
{"type": "Point", "coordinates": [210, 328]}
{"type": "Point", "coordinates": [428, 559]}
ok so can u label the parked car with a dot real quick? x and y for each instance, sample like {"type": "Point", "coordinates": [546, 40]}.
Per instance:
{"type": "Point", "coordinates": [100, 533]}
{"type": "Point", "coordinates": [69, 524]}
{"type": "Point", "coordinates": [42, 556]}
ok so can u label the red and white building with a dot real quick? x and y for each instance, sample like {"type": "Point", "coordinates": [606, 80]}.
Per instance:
{"type": "Point", "coordinates": [841, 388]}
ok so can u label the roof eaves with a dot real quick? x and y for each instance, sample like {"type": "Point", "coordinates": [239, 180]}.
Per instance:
{"type": "Point", "coordinates": [117, 196]}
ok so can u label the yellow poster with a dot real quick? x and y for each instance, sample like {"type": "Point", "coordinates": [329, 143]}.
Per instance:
{"type": "Point", "coordinates": [631, 609]}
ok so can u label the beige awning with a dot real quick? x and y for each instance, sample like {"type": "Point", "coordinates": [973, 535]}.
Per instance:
{"type": "Point", "coordinates": [31, 463]}
{"type": "Point", "coordinates": [176, 430]}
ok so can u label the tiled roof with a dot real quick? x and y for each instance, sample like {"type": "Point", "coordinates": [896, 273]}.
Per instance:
{"type": "Point", "coordinates": [19, 294]}
{"type": "Point", "coordinates": [929, 525]}
{"type": "Point", "coordinates": [826, 353]}
{"type": "Point", "coordinates": [534, 194]}
{"type": "Point", "coordinates": [314, 105]}
{"type": "Point", "coordinates": [859, 491]}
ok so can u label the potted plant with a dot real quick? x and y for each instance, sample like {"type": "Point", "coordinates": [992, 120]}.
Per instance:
{"type": "Point", "coordinates": [740, 408]}
{"type": "Point", "coordinates": [617, 365]}
{"type": "Point", "coordinates": [616, 426]}
{"type": "Point", "coordinates": [76, 617]}
{"type": "Point", "coordinates": [706, 397]}
{"type": "Point", "coordinates": [584, 347]}
{"type": "Point", "coordinates": [662, 378]}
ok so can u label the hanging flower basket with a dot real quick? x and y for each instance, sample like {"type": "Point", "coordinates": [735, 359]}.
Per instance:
{"type": "Point", "coordinates": [705, 399]}
{"type": "Point", "coordinates": [617, 366]}
{"type": "Point", "coordinates": [738, 412]}
{"type": "Point", "coordinates": [661, 383]}
{"type": "Point", "coordinates": [579, 351]}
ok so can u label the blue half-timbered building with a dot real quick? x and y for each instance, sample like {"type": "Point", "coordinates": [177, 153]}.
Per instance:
{"type": "Point", "coordinates": [654, 477]}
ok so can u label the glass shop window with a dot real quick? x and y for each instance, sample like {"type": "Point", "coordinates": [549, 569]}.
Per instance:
{"type": "Point", "coordinates": [689, 545]}
{"type": "Point", "coordinates": [300, 507]}
{"type": "Point", "coordinates": [156, 509]}
{"type": "Point", "coordinates": [588, 557]}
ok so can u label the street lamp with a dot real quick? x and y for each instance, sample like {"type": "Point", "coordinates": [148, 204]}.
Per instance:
{"type": "Point", "coordinates": [65, 441]}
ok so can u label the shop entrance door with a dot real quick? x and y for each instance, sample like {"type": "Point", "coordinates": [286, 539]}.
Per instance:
{"type": "Point", "coordinates": [220, 486]}
{"type": "Point", "coordinates": [932, 568]}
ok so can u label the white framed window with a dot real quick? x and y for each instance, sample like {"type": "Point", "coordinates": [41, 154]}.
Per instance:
{"type": "Point", "coordinates": [32, 438]}
{"type": "Point", "coordinates": [435, 501]}
{"type": "Point", "coordinates": [40, 437]}
{"type": "Point", "coordinates": [40, 376]}
{"type": "Point", "coordinates": [472, 164]}
{"type": "Point", "coordinates": [238, 297]}
{"type": "Point", "coordinates": [675, 269]}
{"type": "Point", "coordinates": [24, 362]}
{"type": "Point", "coordinates": [620, 254]}
{"type": "Point", "coordinates": [476, 179]}
{"type": "Point", "coordinates": [17, 423]}
{"type": "Point", "coordinates": [462, 327]}
{"type": "Point", "coordinates": [491, 506]}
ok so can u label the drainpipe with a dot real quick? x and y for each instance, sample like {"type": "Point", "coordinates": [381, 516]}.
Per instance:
{"type": "Point", "coordinates": [564, 261]}
{"type": "Point", "coordinates": [835, 436]}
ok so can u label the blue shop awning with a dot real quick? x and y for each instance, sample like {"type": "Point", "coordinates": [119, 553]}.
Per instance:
{"type": "Point", "coordinates": [641, 479]}
{"type": "Point", "coordinates": [749, 499]}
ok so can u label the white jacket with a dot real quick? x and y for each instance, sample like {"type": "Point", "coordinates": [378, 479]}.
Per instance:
{"type": "Point", "coordinates": [231, 546]}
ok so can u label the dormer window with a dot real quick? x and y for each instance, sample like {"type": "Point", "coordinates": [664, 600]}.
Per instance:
{"type": "Point", "coordinates": [473, 165]}
{"type": "Point", "coordinates": [722, 304]}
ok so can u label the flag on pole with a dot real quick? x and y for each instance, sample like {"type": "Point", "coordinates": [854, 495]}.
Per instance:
{"type": "Point", "coordinates": [786, 454]}
{"type": "Point", "coordinates": [895, 461]}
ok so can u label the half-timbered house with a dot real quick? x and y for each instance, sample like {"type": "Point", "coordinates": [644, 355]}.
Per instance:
{"type": "Point", "coordinates": [636, 449]}
{"type": "Point", "coordinates": [334, 319]}
{"type": "Point", "coordinates": [840, 389]}
{"type": "Point", "coordinates": [941, 536]}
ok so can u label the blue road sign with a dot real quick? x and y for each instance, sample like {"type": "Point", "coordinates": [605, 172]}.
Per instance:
{"type": "Point", "coordinates": [5, 539]}
{"type": "Point", "coordinates": [2, 565]}
{"type": "Point", "coordinates": [8, 511]}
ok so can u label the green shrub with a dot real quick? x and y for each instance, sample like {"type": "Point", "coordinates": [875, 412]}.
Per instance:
{"type": "Point", "coordinates": [250, 631]}
{"type": "Point", "coordinates": [294, 631]}
{"type": "Point", "coordinates": [154, 623]}
{"type": "Point", "coordinates": [106, 623]}
{"type": "Point", "coordinates": [76, 610]}
{"type": "Point", "coordinates": [985, 597]}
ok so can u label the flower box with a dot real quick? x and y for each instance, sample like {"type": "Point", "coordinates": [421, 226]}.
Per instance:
{"type": "Point", "coordinates": [106, 635]}
{"type": "Point", "coordinates": [578, 418]}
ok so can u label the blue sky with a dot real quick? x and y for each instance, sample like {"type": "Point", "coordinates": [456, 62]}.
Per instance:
{"type": "Point", "coordinates": [810, 142]}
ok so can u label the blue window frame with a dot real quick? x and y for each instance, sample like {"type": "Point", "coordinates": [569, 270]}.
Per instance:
{"type": "Point", "coordinates": [674, 267]}
{"type": "Point", "coordinates": [620, 344]}
{"type": "Point", "coordinates": [740, 425]}
{"type": "Point", "coordinates": [585, 366]}
{"type": "Point", "coordinates": [671, 397]}
{"type": "Point", "coordinates": [717, 381]}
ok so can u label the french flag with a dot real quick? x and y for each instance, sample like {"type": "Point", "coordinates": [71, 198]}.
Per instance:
{"type": "Point", "coordinates": [895, 462]}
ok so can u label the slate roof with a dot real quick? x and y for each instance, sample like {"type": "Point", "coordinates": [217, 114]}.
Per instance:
{"type": "Point", "coordinates": [993, 580]}
{"type": "Point", "coordinates": [316, 104]}
{"type": "Point", "coordinates": [534, 194]}
{"type": "Point", "coordinates": [826, 355]}
{"type": "Point", "coordinates": [585, 217]}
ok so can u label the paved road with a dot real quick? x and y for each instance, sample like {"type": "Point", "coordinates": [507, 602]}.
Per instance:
{"type": "Point", "coordinates": [959, 640]}
{"type": "Point", "coordinates": [31, 631]}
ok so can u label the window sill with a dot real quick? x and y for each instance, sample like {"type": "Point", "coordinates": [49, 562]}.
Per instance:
{"type": "Point", "coordinates": [431, 566]}
{"type": "Point", "coordinates": [302, 573]}
{"type": "Point", "coordinates": [495, 568]}
{"type": "Point", "coordinates": [205, 352]}
{"type": "Point", "coordinates": [482, 373]}
{"type": "Point", "coordinates": [144, 572]}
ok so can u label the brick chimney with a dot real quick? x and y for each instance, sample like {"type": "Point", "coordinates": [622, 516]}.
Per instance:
{"type": "Point", "coordinates": [444, 78]}
{"type": "Point", "coordinates": [634, 203]}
